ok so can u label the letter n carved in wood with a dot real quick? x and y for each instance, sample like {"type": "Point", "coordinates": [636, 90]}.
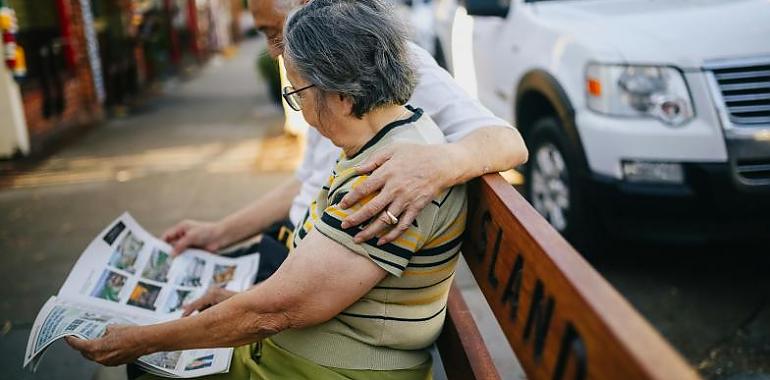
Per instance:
{"type": "Point", "coordinates": [539, 318]}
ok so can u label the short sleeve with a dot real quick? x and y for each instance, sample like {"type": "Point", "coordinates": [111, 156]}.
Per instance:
{"type": "Point", "coordinates": [393, 257]}
{"type": "Point", "coordinates": [455, 112]}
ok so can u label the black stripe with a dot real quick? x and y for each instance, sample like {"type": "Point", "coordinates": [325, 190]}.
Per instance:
{"type": "Point", "coordinates": [352, 231]}
{"type": "Point", "coordinates": [325, 188]}
{"type": "Point", "coordinates": [439, 204]}
{"type": "Point", "coordinates": [394, 265]}
{"type": "Point", "coordinates": [301, 233]}
{"type": "Point", "coordinates": [399, 267]}
{"type": "Point", "coordinates": [387, 318]}
{"type": "Point", "coordinates": [338, 197]}
{"type": "Point", "coordinates": [437, 263]}
{"type": "Point", "coordinates": [334, 190]}
{"type": "Point", "coordinates": [419, 287]}
{"type": "Point", "coordinates": [443, 248]}
{"type": "Point", "coordinates": [416, 113]}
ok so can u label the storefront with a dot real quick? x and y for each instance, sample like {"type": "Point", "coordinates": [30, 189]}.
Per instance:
{"type": "Point", "coordinates": [58, 91]}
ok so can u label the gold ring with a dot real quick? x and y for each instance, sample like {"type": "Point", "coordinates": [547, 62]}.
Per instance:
{"type": "Point", "coordinates": [393, 219]}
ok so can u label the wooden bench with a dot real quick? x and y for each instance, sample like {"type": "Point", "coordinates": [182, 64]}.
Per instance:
{"type": "Point", "coordinates": [562, 319]}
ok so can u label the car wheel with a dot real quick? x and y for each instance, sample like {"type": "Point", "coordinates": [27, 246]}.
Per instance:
{"type": "Point", "coordinates": [552, 184]}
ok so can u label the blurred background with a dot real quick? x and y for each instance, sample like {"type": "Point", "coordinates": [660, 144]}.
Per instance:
{"type": "Point", "coordinates": [648, 125]}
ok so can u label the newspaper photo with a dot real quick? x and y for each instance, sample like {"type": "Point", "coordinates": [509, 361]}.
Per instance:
{"type": "Point", "coordinates": [128, 276]}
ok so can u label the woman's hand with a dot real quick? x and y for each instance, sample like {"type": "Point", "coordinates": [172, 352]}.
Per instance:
{"type": "Point", "coordinates": [212, 297]}
{"type": "Point", "coordinates": [192, 233]}
{"type": "Point", "coordinates": [120, 344]}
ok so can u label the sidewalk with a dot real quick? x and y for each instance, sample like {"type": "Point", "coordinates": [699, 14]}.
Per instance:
{"type": "Point", "coordinates": [204, 148]}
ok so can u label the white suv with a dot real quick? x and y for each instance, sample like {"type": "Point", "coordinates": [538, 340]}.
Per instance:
{"type": "Point", "coordinates": [643, 118]}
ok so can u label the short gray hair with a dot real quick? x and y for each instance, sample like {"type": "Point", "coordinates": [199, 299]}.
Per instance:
{"type": "Point", "coordinates": [356, 48]}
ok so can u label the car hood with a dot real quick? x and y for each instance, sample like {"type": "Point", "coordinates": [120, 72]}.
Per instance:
{"type": "Point", "coordinates": [684, 33]}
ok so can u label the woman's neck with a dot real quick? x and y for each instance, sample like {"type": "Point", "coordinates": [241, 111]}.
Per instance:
{"type": "Point", "coordinates": [357, 132]}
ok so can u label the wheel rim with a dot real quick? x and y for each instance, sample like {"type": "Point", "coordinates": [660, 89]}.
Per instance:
{"type": "Point", "coordinates": [549, 189]}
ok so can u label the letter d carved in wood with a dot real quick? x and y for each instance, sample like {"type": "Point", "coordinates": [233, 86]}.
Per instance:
{"type": "Point", "coordinates": [571, 346]}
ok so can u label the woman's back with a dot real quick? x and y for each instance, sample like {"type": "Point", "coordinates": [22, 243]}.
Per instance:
{"type": "Point", "coordinates": [390, 326]}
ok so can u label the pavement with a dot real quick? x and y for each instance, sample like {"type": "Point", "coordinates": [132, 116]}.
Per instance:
{"type": "Point", "coordinates": [202, 148]}
{"type": "Point", "coordinates": [208, 145]}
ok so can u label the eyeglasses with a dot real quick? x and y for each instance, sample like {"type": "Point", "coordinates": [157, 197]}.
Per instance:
{"type": "Point", "coordinates": [292, 98]}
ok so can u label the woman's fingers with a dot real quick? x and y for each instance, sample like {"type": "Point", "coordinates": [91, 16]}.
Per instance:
{"type": "Point", "coordinates": [81, 345]}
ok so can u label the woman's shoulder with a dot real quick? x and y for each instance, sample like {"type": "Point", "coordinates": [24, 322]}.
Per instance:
{"type": "Point", "coordinates": [420, 130]}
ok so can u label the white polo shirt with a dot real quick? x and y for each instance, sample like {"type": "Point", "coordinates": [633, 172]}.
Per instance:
{"type": "Point", "coordinates": [439, 96]}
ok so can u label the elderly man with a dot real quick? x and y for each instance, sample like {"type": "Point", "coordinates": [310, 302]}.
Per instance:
{"type": "Point", "coordinates": [403, 179]}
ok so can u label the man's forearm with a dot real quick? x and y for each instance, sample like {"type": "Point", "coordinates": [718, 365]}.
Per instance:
{"type": "Point", "coordinates": [260, 214]}
{"type": "Point", "coordinates": [485, 150]}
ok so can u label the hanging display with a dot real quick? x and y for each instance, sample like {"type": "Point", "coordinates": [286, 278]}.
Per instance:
{"type": "Point", "coordinates": [13, 54]}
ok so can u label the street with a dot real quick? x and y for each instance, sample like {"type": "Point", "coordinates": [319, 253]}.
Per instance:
{"type": "Point", "coordinates": [208, 145]}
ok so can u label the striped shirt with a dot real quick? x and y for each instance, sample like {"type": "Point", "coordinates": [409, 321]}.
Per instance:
{"type": "Point", "coordinates": [390, 327]}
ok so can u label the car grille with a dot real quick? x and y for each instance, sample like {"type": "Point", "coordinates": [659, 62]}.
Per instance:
{"type": "Point", "coordinates": [746, 92]}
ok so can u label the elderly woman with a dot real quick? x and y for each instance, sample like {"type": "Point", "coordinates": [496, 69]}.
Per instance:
{"type": "Point", "coordinates": [335, 309]}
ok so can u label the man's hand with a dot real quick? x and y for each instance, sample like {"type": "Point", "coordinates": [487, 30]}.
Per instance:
{"type": "Point", "coordinates": [408, 177]}
{"type": "Point", "coordinates": [118, 345]}
{"type": "Point", "coordinates": [212, 297]}
{"type": "Point", "coordinates": [192, 233]}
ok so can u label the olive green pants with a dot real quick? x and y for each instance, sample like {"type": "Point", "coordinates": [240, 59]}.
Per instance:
{"type": "Point", "coordinates": [274, 363]}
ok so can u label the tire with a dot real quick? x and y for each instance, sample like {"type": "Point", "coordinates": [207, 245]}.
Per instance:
{"type": "Point", "coordinates": [554, 187]}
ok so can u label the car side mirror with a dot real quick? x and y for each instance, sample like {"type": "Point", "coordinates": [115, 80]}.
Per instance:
{"type": "Point", "coordinates": [497, 8]}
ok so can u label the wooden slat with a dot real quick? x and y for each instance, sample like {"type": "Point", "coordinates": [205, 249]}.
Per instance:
{"type": "Point", "coordinates": [462, 349]}
{"type": "Point", "coordinates": [563, 319]}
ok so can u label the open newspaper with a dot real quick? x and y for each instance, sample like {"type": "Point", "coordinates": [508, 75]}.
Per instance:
{"type": "Point", "coordinates": [127, 276]}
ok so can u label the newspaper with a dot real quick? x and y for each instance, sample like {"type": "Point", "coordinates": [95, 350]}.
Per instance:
{"type": "Point", "coordinates": [127, 276]}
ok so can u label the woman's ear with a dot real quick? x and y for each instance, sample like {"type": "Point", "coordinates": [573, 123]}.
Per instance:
{"type": "Point", "coordinates": [348, 101]}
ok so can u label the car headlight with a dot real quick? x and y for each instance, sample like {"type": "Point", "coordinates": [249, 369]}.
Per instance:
{"type": "Point", "coordinates": [639, 91]}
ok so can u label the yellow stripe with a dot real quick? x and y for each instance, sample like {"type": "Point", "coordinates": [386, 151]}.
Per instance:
{"type": "Point", "coordinates": [313, 211]}
{"type": "Point", "coordinates": [405, 244]}
{"type": "Point", "coordinates": [457, 228]}
{"type": "Point", "coordinates": [339, 214]}
{"type": "Point", "coordinates": [413, 233]}
{"type": "Point", "coordinates": [426, 300]}
{"type": "Point", "coordinates": [358, 181]}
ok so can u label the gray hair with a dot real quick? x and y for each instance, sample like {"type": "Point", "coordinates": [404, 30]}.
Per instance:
{"type": "Point", "coordinates": [356, 48]}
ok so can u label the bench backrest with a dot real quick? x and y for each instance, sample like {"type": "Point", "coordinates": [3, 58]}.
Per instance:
{"type": "Point", "coordinates": [562, 318]}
